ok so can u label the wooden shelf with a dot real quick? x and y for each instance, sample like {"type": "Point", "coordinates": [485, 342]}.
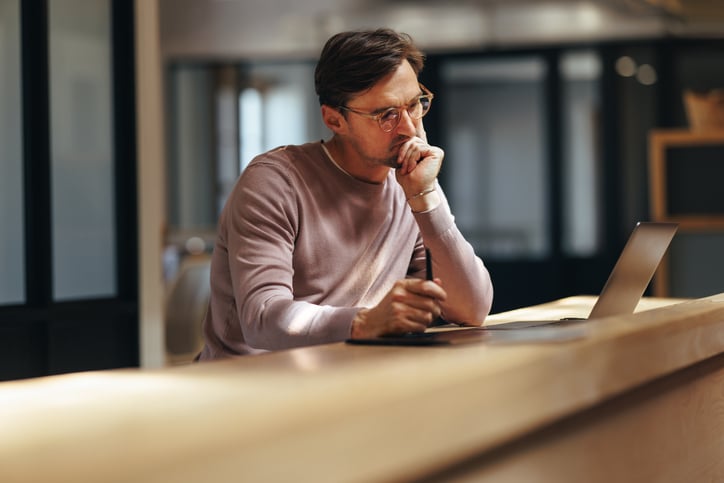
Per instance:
{"type": "Point", "coordinates": [662, 142]}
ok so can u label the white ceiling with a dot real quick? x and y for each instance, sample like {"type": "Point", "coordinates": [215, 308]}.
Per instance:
{"type": "Point", "coordinates": [293, 28]}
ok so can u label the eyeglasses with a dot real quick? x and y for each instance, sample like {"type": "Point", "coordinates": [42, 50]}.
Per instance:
{"type": "Point", "coordinates": [390, 117]}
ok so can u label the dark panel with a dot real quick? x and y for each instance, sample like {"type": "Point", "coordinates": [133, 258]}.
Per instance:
{"type": "Point", "coordinates": [694, 177]}
{"type": "Point", "coordinates": [22, 349]}
{"type": "Point", "coordinates": [520, 283]}
{"type": "Point", "coordinates": [696, 265]}
{"type": "Point", "coordinates": [92, 342]}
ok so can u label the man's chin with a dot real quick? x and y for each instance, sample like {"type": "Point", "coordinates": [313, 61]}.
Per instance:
{"type": "Point", "coordinates": [391, 163]}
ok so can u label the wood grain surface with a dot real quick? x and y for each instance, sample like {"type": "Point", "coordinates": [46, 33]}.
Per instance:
{"type": "Point", "coordinates": [377, 413]}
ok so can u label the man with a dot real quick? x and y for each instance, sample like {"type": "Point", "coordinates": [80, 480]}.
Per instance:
{"type": "Point", "coordinates": [325, 241]}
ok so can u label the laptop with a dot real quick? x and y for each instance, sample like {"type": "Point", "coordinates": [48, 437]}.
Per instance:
{"type": "Point", "coordinates": [625, 286]}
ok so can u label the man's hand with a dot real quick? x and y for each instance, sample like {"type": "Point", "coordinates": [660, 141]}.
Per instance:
{"type": "Point", "coordinates": [419, 165]}
{"type": "Point", "coordinates": [410, 306]}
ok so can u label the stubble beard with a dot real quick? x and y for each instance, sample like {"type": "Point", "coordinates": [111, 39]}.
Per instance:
{"type": "Point", "coordinates": [389, 161]}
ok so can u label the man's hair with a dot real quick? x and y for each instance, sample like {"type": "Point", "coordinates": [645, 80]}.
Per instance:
{"type": "Point", "coordinates": [352, 62]}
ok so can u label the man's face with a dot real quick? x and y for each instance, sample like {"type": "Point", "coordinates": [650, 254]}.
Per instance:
{"type": "Point", "coordinates": [374, 146]}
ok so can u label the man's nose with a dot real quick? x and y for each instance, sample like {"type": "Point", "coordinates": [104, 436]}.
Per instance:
{"type": "Point", "coordinates": [407, 124]}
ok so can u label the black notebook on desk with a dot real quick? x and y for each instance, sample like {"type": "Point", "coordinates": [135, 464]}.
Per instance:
{"type": "Point", "coordinates": [471, 335]}
{"type": "Point", "coordinates": [625, 286]}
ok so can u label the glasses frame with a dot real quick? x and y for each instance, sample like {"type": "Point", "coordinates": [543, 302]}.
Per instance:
{"type": "Point", "coordinates": [378, 117]}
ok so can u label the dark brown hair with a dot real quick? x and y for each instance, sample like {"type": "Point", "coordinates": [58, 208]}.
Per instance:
{"type": "Point", "coordinates": [352, 62]}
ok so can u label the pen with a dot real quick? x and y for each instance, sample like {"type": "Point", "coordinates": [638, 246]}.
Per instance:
{"type": "Point", "coordinates": [428, 268]}
{"type": "Point", "coordinates": [428, 264]}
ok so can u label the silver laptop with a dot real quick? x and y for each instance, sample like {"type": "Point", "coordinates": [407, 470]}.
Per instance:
{"type": "Point", "coordinates": [629, 278]}
{"type": "Point", "coordinates": [625, 286]}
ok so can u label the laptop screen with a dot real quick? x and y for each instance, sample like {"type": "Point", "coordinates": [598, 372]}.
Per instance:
{"type": "Point", "coordinates": [634, 269]}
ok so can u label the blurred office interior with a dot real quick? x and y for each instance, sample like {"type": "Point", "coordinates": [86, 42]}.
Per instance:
{"type": "Point", "coordinates": [124, 125]}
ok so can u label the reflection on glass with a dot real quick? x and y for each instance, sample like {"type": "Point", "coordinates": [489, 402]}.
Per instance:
{"type": "Point", "coordinates": [81, 150]}
{"type": "Point", "coordinates": [191, 204]}
{"type": "Point", "coordinates": [496, 171]}
{"type": "Point", "coordinates": [12, 252]}
{"type": "Point", "coordinates": [580, 73]}
{"type": "Point", "coordinates": [284, 107]}
{"type": "Point", "coordinates": [220, 118]}
{"type": "Point", "coordinates": [250, 112]}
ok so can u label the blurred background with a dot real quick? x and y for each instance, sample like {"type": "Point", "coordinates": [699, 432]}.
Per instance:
{"type": "Point", "coordinates": [123, 126]}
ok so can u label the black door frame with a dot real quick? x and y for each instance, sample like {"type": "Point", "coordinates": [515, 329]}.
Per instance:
{"type": "Point", "coordinates": [42, 336]}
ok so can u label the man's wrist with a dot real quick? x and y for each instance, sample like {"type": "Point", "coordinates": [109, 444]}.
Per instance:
{"type": "Point", "coordinates": [357, 323]}
{"type": "Point", "coordinates": [424, 201]}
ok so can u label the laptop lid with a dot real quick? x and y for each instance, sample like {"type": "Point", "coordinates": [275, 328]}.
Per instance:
{"type": "Point", "coordinates": [634, 269]}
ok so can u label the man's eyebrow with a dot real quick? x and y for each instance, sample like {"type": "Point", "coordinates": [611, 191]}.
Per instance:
{"type": "Point", "coordinates": [413, 99]}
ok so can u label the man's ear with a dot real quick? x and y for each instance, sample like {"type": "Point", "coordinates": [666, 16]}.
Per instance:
{"type": "Point", "coordinates": [333, 119]}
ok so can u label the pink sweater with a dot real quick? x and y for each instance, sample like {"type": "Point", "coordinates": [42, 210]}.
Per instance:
{"type": "Point", "coordinates": [302, 246]}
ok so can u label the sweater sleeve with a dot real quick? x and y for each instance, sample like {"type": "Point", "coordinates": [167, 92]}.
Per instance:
{"type": "Point", "coordinates": [464, 276]}
{"type": "Point", "coordinates": [261, 225]}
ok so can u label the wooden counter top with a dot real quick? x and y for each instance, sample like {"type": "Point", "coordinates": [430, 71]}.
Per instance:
{"type": "Point", "coordinates": [340, 412]}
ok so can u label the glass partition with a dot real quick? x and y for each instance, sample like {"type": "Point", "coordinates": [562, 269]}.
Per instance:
{"type": "Point", "coordinates": [12, 240]}
{"type": "Point", "coordinates": [580, 73]}
{"type": "Point", "coordinates": [496, 171]}
{"type": "Point", "coordinates": [84, 251]}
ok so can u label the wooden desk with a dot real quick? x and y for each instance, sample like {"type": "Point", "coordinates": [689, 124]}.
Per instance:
{"type": "Point", "coordinates": [640, 399]}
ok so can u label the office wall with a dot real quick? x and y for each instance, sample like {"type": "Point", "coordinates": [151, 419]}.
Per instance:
{"type": "Point", "coordinates": [198, 29]}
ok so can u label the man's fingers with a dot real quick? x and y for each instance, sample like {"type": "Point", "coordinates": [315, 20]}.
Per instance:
{"type": "Point", "coordinates": [404, 326]}
{"type": "Point", "coordinates": [425, 288]}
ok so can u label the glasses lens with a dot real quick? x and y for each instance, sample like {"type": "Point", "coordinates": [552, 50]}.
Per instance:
{"type": "Point", "coordinates": [419, 108]}
{"type": "Point", "coordinates": [425, 102]}
{"type": "Point", "coordinates": [389, 119]}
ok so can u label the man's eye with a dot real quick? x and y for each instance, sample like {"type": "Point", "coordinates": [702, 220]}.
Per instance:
{"type": "Point", "coordinates": [389, 115]}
